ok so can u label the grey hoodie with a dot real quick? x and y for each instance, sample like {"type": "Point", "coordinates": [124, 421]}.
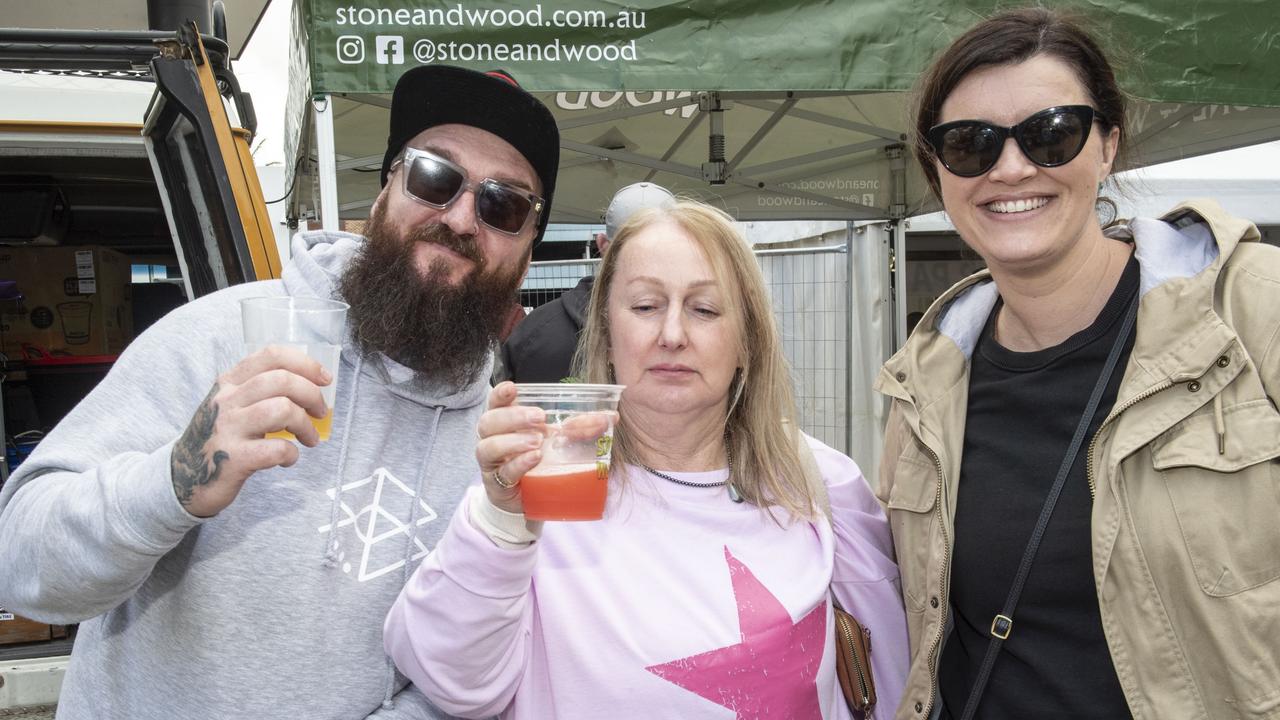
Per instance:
{"type": "Point", "coordinates": [274, 607]}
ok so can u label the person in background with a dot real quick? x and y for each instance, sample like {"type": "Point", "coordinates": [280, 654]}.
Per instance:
{"type": "Point", "coordinates": [219, 574]}
{"type": "Point", "coordinates": [706, 588]}
{"type": "Point", "coordinates": [541, 347]}
{"type": "Point", "coordinates": [1080, 462]}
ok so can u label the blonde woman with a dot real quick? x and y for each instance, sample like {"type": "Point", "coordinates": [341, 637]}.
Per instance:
{"type": "Point", "coordinates": [705, 590]}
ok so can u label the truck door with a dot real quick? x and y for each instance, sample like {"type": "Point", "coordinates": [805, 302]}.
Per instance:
{"type": "Point", "coordinates": [205, 172]}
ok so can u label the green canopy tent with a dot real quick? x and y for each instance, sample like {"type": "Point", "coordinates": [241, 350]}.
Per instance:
{"type": "Point", "coordinates": [790, 110]}
{"type": "Point", "coordinates": [772, 110]}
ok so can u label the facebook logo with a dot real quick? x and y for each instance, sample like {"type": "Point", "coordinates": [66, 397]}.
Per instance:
{"type": "Point", "coordinates": [389, 49]}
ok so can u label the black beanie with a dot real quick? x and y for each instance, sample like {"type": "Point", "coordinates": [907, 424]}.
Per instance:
{"type": "Point", "coordinates": [431, 95]}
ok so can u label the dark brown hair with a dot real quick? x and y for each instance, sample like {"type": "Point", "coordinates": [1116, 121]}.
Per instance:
{"type": "Point", "coordinates": [1008, 38]}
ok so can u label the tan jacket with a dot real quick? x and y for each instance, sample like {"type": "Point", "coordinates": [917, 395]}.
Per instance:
{"type": "Point", "coordinates": [1185, 473]}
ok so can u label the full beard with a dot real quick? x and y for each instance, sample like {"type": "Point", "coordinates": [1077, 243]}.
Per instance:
{"type": "Point", "coordinates": [442, 331]}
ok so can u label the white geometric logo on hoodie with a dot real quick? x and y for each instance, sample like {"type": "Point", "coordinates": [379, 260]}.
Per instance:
{"type": "Point", "coordinates": [374, 525]}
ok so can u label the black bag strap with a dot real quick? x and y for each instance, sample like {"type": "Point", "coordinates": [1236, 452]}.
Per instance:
{"type": "Point", "coordinates": [1002, 624]}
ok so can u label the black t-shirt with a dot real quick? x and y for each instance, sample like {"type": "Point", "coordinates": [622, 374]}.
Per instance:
{"type": "Point", "coordinates": [1023, 410]}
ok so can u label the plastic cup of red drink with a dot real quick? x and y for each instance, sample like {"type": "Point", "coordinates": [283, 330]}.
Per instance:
{"type": "Point", "coordinates": [571, 482]}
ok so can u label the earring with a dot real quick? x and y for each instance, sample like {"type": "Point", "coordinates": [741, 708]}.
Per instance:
{"type": "Point", "coordinates": [1106, 210]}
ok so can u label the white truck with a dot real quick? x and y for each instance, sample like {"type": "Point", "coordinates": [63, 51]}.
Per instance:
{"type": "Point", "coordinates": [121, 151]}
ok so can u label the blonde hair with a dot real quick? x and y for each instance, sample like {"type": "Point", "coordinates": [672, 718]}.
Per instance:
{"type": "Point", "coordinates": [760, 410]}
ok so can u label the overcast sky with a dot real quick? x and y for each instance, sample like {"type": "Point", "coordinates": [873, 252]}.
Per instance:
{"type": "Point", "coordinates": [263, 72]}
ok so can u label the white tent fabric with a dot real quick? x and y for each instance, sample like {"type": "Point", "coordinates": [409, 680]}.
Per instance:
{"type": "Point", "coordinates": [1246, 181]}
{"type": "Point", "coordinates": [62, 98]}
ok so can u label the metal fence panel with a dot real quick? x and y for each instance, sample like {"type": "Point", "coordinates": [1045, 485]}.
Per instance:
{"type": "Point", "coordinates": [809, 294]}
{"type": "Point", "coordinates": [547, 280]}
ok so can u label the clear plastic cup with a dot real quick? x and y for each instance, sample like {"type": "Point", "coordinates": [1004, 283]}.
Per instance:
{"type": "Point", "coordinates": [313, 325]}
{"type": "Point", "coordinates": [571, 481]}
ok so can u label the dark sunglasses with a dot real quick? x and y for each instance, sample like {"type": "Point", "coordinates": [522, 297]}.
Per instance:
{"type": "Point", "coordinates": [436, 182]}
{"type": "Point", "coordinates": [1052, 137]}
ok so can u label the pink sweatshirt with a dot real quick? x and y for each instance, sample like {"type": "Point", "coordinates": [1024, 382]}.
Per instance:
{"type": "Point", "coordinates": [680, 603]}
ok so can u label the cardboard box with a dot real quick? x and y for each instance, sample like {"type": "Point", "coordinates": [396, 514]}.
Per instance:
{"type": "Point", "coordinates": [17, 629]}
{"type": "Point", "coordinates": [76, 300]}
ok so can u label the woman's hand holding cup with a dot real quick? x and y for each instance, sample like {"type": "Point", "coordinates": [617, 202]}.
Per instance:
{"type": "Point", "coordinates": [562, 427]}
{"type": "Point", "coordinates": [510, 442]}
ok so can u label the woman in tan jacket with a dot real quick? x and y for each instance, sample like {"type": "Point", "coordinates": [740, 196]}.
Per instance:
{"type": "Point", "coordinates": [1081, 459]}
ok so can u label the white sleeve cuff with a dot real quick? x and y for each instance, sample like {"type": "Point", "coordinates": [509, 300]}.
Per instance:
{"type": "Point", "coordinates": [506, 529]}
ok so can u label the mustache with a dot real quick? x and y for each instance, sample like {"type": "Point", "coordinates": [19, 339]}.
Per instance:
{"type": "Point", "coordinates": [440, 234]}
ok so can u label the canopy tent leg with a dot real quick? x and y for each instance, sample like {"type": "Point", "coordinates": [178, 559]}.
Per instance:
{"type": "Point", "coordinates": [898, 258]}
{"type": "Point", "coordinates": [851, 328]}
{"type": "Point", "coordinates": [328, 162]}
{"type": "Point", "coordinates": [897, 247]}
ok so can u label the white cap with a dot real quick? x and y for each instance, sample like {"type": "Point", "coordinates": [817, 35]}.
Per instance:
{"type": "Point", "coordinates": [632, 198]}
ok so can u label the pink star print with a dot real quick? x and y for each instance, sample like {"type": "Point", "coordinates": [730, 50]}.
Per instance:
{"type": "Point", "coordinates": [771, 673]}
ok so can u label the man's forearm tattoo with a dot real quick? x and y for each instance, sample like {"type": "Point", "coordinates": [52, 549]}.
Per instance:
{"type": "Point", "coordinates": [188, 465]}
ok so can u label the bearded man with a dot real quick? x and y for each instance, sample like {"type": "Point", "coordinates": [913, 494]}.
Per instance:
{"type": "Point", "coordinates": [217, 573]}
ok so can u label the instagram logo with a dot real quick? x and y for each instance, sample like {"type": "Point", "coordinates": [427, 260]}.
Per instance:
{"type": "Point", "coordinates": [389, 49]}
{"type": "Point", "coordinates": [350, 49]}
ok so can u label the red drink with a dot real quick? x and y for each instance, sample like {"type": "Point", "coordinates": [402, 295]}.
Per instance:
{"type": "Point", "coordinates": [565, 492]}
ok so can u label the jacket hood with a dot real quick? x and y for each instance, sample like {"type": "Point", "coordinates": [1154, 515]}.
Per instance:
{"type": "Point", "coordinates": [318, 259]}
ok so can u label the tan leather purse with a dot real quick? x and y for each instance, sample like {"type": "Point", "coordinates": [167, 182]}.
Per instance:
{"type": "Point", "coordinates": [853, 663]}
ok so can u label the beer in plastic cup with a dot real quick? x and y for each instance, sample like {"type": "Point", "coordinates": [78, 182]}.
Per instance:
{"type": "Point", "coordinates": [571, 481]}
{"type": "Point", "coordinates": [315, 326]}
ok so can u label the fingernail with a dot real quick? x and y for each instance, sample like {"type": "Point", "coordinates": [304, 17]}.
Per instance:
{"type": "Point", "coordinates": [325, 374]}
{"type": "Point", "coordinates": [534, 415]}
{"type": "Point", "coordinates": [533, 441]}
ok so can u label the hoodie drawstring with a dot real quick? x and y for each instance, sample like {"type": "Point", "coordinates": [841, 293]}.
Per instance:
{"type": "Point", "coordinates": [410, 536]}
{"type": "Point", "coordinates": [331, 543]}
